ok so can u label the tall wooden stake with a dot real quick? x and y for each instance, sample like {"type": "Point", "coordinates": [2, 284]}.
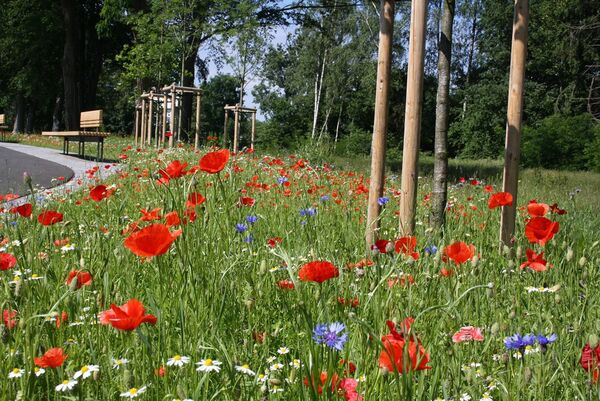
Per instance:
{"type": "Point", "coordinates": [198, 104]}
{"type": "Point", "coordinates": [136, 127]}
{"type": "Point", "coordinates": [150, 115]}
{"type": "Point", "coordinates": [253, 131]}
{"type": "Point", "coordinates": [165, 102]}
{"type": "Point", "coordinates": [386, 33]}
{"type": "Point", "coordinates": [514, 115]}
{"type": "Point", "coordinates": [143, 124]}
{"type": "Point", "coordinates": [236, 127]}
{"type": "Point", "coordinates": [412, 119]}
{"type": "Point", "coordinates": [225, 128]}
{"type": "Point", "coordinates": [172, 121]}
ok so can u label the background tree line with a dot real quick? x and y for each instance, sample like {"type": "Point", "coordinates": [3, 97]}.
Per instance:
{"type": "Point", "coordinates": [57, 58]}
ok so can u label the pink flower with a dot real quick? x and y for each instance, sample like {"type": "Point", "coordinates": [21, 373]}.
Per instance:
{"type": "Point", "coordinates": [468, 333]}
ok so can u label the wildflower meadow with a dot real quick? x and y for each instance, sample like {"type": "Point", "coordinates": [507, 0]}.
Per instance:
{"type": "Point", "coordinates": [202, 275]}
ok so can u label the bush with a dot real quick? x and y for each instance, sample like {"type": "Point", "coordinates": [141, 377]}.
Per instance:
{"type": "Point", "coordinates": [357, 142]}
{"type": "Point", "coordinates": [561, 142]}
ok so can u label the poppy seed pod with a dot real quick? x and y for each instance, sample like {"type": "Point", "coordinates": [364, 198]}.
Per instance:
{"type": "Point", "coordinates": [519, 253]}
{"type": "Point", "coordinates": [495, 328]}
{"type": "Point", "coordinates": [582, 261]}
{"type": "Point", "coordinates": [593, 340]}
{"type": "Point", "coordinates": [569, 255]}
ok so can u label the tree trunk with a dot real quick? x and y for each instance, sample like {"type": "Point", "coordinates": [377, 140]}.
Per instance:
{"type": "Point", "coordinates": [318, 91]}
{"type": "Point", "coordinates": [440, 166]}
{"type": "Point", "coordinates": [70, 64]}
{"type": "Point", "coordinates": [188, 98]}
{"type": "Point", "coordinates": [56, 115]}
{"type": "Point", "coordinates": [19, 111]}
{"type": "Point", "coordinates": [29, 120]}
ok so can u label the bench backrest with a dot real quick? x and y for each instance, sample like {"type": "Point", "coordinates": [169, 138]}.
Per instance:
{"type": "Point", "coordinates": [90, 119]}
{"type": "Point", "coordinates": [2, 119]}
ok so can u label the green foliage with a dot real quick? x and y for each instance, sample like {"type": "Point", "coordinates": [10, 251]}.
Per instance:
{"type": "Point", "coordinates": [356, 142]}
{"type": "Point", "coordinates": [561, 142]}
{"type": "Point", "coordinates": [218, 91]}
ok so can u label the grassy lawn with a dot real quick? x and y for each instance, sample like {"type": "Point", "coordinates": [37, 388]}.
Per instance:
{"type": "Point", "coordinates": [227, 292]}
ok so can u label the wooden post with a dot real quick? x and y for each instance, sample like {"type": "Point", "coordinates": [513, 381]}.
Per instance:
{"type": "Point", "coordinates": [225, 127]}
{"type": "Point", "coordinates": [253, 131]}
{"type": "Point", "coordinates": [143, 124]}
{"type": "Point", "coordinates": [198, 104]}
{"type": "Point", "coordinates": [172, 121]}
{"type": "Point", "coordinates": [514, 115]}
{"type": "Point", "coordinates": [165, 100]}
{"type": "Point", "coordinates": [236, 119]}
{"type": "Point", "coordinates": [136, 127]}
{"type": "Point", "coordinates": [386, 33]}
{"type": "Point", "coordinates": [412, 118]}
{"type": "Point", "coordinates": [149, 127]}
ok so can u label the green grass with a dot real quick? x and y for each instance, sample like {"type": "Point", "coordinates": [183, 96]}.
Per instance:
{"type": "Point", "coordinates": [214, 293]}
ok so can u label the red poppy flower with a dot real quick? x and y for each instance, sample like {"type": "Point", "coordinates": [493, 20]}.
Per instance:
{"type": "Point", "coordinates": [24, 210]}
{"type": "Point", "coordinates": [50, 217]}
{"type": "Point", "coordinates": [536, 209]}
{"type": "Point", "coordinates": [285, 284]}
{"type": "Point", "coordinates": [535, 261]}
{"type": "Point", "coordinates": [468, 333]}
{"type": "Point", "coordinates": [83, 278]}
{"type": "Point", "coordinates": [555, 209]}
{"type": "Point", "coordinates": [7, 261]}
{"type": "Point", "coordinates": [488, 189]}
{"type": "Point", "coordinates": [459, 252]}
{"type": "Point", "coordinates": [214, 162]}
{"type": "Point", "coordinates": [540, 230]}
{"type": "Point", "coordinates": [172, 219]}
{"type": "Point", "coordinates": [272, 242]}
{"type": "Point", "coordinates": [53, 358]}
{"type": "Point", "coordinates": [247, 201]}
{"type": "Point", "coordinates": [8, 318]}
{"type": "Point", "coordinates": [175, 169]}
{"type": "Point", "coordinates": [128, 316]}
{"type": "Point", "coordinates": [153, 240]}
{"type": "Point", "coordinates": [318, 271]}
{"type": "Point", "coordinates": [407, 246]}
{"type": "Point", "coordinates": [98, 193]}
{"type": "Point", "coordinates": [590, 360]}
{"type": "Point", "coordinates": [381, 246]}
{"type": "Point", "coordinates": [500, 199]}
{"type": "Point", "coordinates": [393, 356]}
{"type": "Point", "coordinates": [152, 215]}
{"type": "Point", "coordinates": [194, 199]}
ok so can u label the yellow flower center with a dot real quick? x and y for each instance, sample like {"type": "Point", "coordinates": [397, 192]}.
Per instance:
{"type": "Point", "coordinates": [85, 369]}
{"type": "Point", "coordinates": [177, 357]}
{"type": "Point", "coordinates": [133, 391]}
{"type": "Point", "coordinates": [208, 362]}
{"type": "Point", "coordinates": [34, 276]}
{"type": "Point", "coordinates": [245, 366]}
{"type": "Point", "coordinates": [16, 370]}
{"type": "Point", "coordinates": [36, 369]}
{"type": "Point", "coordinates": [65, 382]}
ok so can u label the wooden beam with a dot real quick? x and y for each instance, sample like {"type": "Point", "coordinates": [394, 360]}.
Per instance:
{"type": "Point", "coordinates": [412, 118]}
{"type": "Point", "coordinates": [172, 120]}
{"type": "Point", "coordinates": [164, 120]}
{"type": "Point", "coordinates": [253, 135]}
{"type": "Point", "coordinates": [236, 119]}
{"type": "Point", "coordinates": [197, 137]}
{"type": "Point", "coordinates": [514, 118]}
{"type": "Point", "coordinates": [143, 124]}
{"type": "Point", "coordinates": [384, 63]}
{"type": "Point", "coordinates": [225, 130]}
{"type": "Point", "coordinates": [136, 126]}
{"type": "Point", "coordinates": [150, 114]}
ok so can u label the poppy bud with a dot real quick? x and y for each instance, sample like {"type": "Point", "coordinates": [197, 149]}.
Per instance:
{"type": "Point", "coordinates": [475, 261]}
{"type": "Point", "coordinates": [26, 179]}
{"type": "Point", "coordinates": [582, 261]}
{"type": "Point", "coordinates": [384, 371]}
{"type": "Point", "coordinates": [73, 285]}
{"type": "Point", "coordinates": [249, 303]}
{"type": "Point", "coordinates": [263, 389]}
{"type": "Point", "coordinates": [263, 267]}
{"type": "Point", "coordinates": [495, 328]}
{"type": "Point", "coordinates": [557, 298]}
{"type": "Point", "coordinates": [527, 374]}
{"type": "Point", "coordinates": [274, 382]}
{"type": "Point", "coordinates": [489, 292]}
{"type": "Point", "coordinates": [519, 253]}
{"type": "Point", "coordinates": [593, 340]}
{"type": "Point", "coordinates": [569, 255]}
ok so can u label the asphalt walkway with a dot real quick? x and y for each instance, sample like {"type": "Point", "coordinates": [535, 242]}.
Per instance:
{"type": "Point", "coordinates": [47, 167]}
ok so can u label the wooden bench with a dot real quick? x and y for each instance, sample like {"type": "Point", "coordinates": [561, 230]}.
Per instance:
{"type": "Point", "coordinates": [89, 124]}
{"type": "Point", "coordinates": [3, 127]}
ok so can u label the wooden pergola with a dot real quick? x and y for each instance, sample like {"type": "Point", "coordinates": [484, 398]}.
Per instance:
{"type": "Point", "coordinates": [157, 108]}
{"type": "Point", "coordinates": [237, 109]}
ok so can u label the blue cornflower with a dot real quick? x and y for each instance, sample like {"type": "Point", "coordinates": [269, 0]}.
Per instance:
{"type": "Point", "coordinates": [311, 211]}
{"type": "Point", "coordinates": [331, 335]}
{"type": "Point", "coordinates": [383, 200]}
{"type": "Point", "coordinates": [251, 219]}
{"type": "Point", "coordinates": [282, 179]}
{"type": "Point", "coordinates": [325, 198]}
{"type": "Point", "coordinates": [544, 341]}
{"type": "Point", "coordinates": [13, 223]}
{"type": "Point", "coordinates": [249, 239]}
{"type": "Point", "coordinates": [514, 342]}
{"type": "Point", "coordinates": [431, 250]}
{"type": "Point", "coordinates": [240, 228]}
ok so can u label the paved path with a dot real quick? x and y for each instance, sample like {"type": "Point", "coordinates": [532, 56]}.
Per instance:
{"type": "Point", "coordinates": [43, 164]}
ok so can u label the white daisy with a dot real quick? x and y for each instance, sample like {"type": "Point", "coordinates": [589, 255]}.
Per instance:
{"type": "Point", "coordinates": [179, 399]}
{"type": "Point", "coordinates": [486, 397]}
{"type": "Point", "coordinates": [66, 385]}
{"type": "Point", "coordinates": [133, 392]}
{"type": "Point", "coordinates": [276, 366]}
{"type": "Point", "coordinates": [465, 397]}
{"type": "Point", "coordinates": [178, 360]}
{"type": "Point", "coordinates": [16, 373]}
{"type": "Point", "coordinates": [245, 369]}
{"type": "Point", "coordinates": [117, 363]}
{"type": "Point", "coordinates": [295, 363]}
{"type": "Point", "coordinates": [208, 365]}
{"type": "Point", "coordinates": [86, 371]}
{"type": "Point", "coordinates": [38, 371]}
{"type": "Point", "coordinates": [271, 359]}
{"type": "Point", "coordinates": [283, 350]}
